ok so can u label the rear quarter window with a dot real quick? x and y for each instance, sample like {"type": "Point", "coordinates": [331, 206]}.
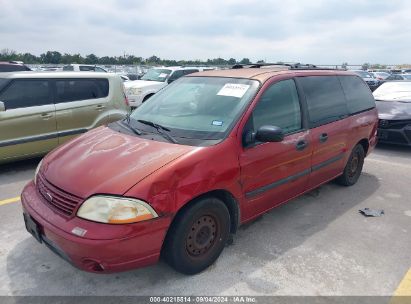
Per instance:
{"type": "Point", "coordinates": [357, 94]}
{"type": "Point", "coordinates": [325, 99]}
{"type": "Point", "coordinates": [68, 90]}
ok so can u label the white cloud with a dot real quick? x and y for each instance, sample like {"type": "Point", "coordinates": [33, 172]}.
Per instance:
{"type": "Point", "coordinates": [315, 31]}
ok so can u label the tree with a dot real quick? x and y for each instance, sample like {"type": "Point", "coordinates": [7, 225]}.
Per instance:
{"type": "Point", "coordinates": [231, 61]}
{"type": "Point", "coordinates": [365, 66]}
{"type": "Point", "coordinates": [91, 59]}
{"type": "Point", "coordinates": [245, 61]}
{"type": "Point", "coordinates": [53, 57]}
{"type": "Point", "coordinates": [153, 59]}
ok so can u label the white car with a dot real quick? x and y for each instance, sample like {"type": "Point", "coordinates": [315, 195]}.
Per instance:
{"type": "Point", "coordinates": [138, 91]}
{"type": "Point", "coordinates": [83, 68]}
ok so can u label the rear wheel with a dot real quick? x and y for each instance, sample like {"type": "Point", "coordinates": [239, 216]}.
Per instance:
{"type": "Point", "coordinates": [353, 169]}
{"type": "Point", "coordinates": [198, 236]}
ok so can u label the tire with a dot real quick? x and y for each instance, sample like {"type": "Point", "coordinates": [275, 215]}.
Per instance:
{"type": "Point", "coordinates": [353, 168]}
{"type": "Point", "coordinates": [197, 236]}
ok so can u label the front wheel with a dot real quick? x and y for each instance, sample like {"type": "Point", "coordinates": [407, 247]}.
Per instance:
{"type": "Point", "coordinates": [353, 169]}
{"type": "Point", "coordinates": [197, 236]}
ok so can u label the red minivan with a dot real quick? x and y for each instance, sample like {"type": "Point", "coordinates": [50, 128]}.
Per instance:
{"type": "Point", "coordinates": [203, 156]}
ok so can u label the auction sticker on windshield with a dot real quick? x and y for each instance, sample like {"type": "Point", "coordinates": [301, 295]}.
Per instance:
{"type": "Point", "coordinates": [234, 90]}
{"type": "Point", "coordinates": [162, 75]}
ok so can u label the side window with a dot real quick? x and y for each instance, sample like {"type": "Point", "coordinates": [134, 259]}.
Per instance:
{"type": "Point", "coordinates": [357, 93]}
{"type": "Point", "coordinates": [325, 99]}
{"type": "Point", "coordinates": [68, 68]}
{"type": "Point", "coordinates": [97, 69]}
{"type": "Point", "coordinates": [81, 89]}
{"type": "Point", "coordinates": [23, 93]}
{"type": "Point", "coordinates": [279, 106]}
{"type": "Point", "coordinates": [85, 68]}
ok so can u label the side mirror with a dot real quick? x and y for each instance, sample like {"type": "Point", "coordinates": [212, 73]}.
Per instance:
{"type": "Point", "coordinates": [170, 80]}
{"type": "Point", "coordinates": [2, 107]}
{"type": "Point", "coordinates": [263, 134]}
{"type": "Point", "coordinates": [269, 134]}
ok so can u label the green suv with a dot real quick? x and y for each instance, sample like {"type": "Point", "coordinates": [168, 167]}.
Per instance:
{"type": "Point", "coordinates": [39, 111]}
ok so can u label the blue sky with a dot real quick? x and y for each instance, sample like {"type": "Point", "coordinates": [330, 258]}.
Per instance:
{"type": "Point", "coordinates": [314, 31]}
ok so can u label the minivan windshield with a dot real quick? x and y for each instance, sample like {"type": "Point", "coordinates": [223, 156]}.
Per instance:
{"type": "Point", "coordinates": [156, 75]}
{"type": "Point", "coordinates": [198, 107]}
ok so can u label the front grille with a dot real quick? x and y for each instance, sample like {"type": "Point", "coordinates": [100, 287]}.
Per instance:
{"type": "Point", "coordinates": [394, 124]}
{"type": "Point", "coordinates": [396, 137]}
{"type": "Point", "coordinates": [384, 124]}
{"type": "Point", "coordinates": [59, 200]}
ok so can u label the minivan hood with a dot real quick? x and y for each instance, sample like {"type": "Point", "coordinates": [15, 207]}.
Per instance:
{"type": "Point", "coordinates": [142, 84]}
{"type": "Point", "coordinates": [104, 161]}
{"type": "Point", "coordinates": [394, 110]}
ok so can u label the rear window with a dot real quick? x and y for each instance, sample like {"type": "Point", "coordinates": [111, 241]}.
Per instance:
{"type": "Point", "coordinates": [13, 68]}
{"type": "Point", "coordinates": [23, 93]}
{"type": "Point", "coordinates": [81, 89]}
{"type": "Point", "coordinates": [357, 93]}
{"type": "Point", "coordinates": [325, 99]}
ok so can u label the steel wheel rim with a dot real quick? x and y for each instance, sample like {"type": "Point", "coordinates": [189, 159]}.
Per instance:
{"type": "Point", "coordinates": [202, 236]}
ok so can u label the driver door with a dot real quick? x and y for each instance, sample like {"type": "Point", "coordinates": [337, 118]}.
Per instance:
{"type": "Point", "coordinates": [274, 172]}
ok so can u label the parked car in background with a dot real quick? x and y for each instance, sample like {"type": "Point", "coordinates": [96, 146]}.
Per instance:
{"type": "Point", "coordinates": [133, 76]}
{"type": "Point", "coordinates": [13, 66]}
{"type": "Point", "coordinates": [39, 111]}
{"type": "Point", "coordinates": [208, 153]}
{"type": "Point", "coordinates": [399, 77]}
{"type": "Point", "coordinates": [394, 111]}
{"type": "Point", "coordinates": [380, 75]}
{"type": "Point", "coordinates": [368, 78]}
{"type": "Point", "coordinates": [154, 80]}
{"type": "Point", "coordinates": [83, 68]}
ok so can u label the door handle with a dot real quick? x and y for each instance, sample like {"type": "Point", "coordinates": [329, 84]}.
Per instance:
{"type": "Point", "coordinates": [46, 115]}
{"type": "Point", "coordinates": [100, 107]}
{"type": "Point", "coordinates": [323, 137]}
{"type": "Point", "coordinates": [301, 145]}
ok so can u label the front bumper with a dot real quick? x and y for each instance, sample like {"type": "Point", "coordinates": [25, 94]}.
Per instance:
{"type": "Point", "coordinates": [104, 248]}
{"type": "Point", "coordinates": [394, 132]}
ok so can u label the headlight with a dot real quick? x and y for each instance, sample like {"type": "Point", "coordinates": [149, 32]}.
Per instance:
{"type": "Point", "coordinates": [37, 171]}
{"type": "Point", "coordinates": [135, 91]}
{"type": "Point", "coordinates": [115, 210]}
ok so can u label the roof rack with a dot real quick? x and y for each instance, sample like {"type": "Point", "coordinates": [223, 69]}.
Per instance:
{"type": "Point", "coordinates": [290, 66]}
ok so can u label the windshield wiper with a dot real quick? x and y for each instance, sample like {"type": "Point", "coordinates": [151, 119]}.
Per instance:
{"type": "Point", "coordinates": [126, 123]}
{"type": "Point", "coordinates": [159, 129]}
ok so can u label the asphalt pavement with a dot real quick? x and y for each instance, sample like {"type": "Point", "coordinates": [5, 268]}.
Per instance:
{"type": "Point", "coordinates": [317, 244]}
